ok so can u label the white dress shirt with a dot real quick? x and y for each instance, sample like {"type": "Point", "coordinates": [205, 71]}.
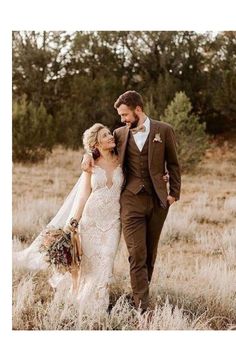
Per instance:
{"type": "Point", "coordinates": [141, 137]}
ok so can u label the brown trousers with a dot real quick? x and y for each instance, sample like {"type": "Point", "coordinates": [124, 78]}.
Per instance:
{"type": "Point", "coordinates": [142, 220]}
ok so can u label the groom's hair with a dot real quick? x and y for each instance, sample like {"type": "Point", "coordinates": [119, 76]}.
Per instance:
{"type": "Point", "coordinates": [132, 99]}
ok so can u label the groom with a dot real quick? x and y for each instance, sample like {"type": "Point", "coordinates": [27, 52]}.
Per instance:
{"type": "Point", "coordinates": [146, 148]}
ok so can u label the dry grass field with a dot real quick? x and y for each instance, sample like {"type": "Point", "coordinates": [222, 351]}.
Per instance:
{"type": "Point", "coordinates": [194, 283]}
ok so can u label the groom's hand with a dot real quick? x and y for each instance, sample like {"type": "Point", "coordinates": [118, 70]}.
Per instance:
{"type": "Point", "coordinates": [170, 199]}
{"type": "Point", "coordinates": [166, 178]}
{"type": "Point", "coordinates": [87, 163]}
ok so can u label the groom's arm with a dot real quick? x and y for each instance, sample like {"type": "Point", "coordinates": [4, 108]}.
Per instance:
{"type": "Point", "coordinates": [115, 136]}
{"type": "Point", "coordinates": [172, 163]}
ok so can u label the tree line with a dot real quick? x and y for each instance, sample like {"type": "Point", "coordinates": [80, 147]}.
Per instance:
{"type": "Point", "coordinates": [63, 82]}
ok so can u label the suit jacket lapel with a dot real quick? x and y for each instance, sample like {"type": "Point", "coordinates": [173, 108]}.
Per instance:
{"type": "Point", "coordinates": [151, 145]}
{"type": "Point", "coordinates": [123, 145]}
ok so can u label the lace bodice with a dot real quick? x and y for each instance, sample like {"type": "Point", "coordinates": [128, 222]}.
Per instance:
{"type": "Point", "coordinates": [99, 179]}
{"type": "Point", "coordinates": [102, 208]}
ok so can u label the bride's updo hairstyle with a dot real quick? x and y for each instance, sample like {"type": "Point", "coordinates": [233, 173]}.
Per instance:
{"type": "Point", "coordinates": [90, 139]}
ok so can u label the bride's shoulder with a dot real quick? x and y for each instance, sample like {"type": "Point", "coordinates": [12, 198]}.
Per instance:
{"type": "Point", "coordinates": [96, 169]}
{"type": "Point", "coordinates": [117, 160]}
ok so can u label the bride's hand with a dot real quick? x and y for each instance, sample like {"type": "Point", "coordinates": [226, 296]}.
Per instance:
{"type": "Point", "coordinates": [67, 228]}
{"type": "Point", "coordinates": [71, 226]}
{"type": "Point", "coordinates": [87, 163]}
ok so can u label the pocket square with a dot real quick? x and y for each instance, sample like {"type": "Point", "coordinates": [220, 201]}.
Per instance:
{"type": "Point", "coordinates": [157, 138]}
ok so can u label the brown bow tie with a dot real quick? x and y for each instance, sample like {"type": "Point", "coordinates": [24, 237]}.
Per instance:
{"type": "Point", "coordinates": [140, 128]}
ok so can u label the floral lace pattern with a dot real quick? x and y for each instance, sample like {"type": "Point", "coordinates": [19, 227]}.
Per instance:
{"type": "Point", "coordinates": [100, 234]}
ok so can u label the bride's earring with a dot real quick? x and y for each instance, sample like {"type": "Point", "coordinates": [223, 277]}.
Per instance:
{"type": "Point", "coordinates": [96, 153]}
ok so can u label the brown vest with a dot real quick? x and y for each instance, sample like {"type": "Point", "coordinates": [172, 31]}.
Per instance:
{"type": "Point", "coordinates": [136, 166]}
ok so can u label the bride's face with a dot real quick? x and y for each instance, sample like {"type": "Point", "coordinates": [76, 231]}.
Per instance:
{"type": "Point", "coordinates": [106, 140]}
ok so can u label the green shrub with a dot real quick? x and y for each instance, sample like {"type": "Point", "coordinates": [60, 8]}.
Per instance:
{"type": "Point", "coordinates": [191, 138]}
{"type": "Point", "coordinates": [33, 131]}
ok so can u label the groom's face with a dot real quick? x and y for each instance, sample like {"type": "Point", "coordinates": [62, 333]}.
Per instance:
{"type": "Point", "coordinates": [128, 116]}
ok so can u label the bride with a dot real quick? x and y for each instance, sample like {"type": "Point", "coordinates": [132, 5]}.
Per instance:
{"type": "Point", "coordinates": [98, 214]}
{"type": "Point", "coordinates": [94, 206]}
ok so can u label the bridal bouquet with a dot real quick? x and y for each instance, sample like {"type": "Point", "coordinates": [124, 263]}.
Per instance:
{"type": "Point", "coordinates": [61, 249]}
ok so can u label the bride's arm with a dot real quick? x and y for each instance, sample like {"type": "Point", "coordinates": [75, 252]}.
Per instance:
{"type": "Point", "coordinates": [85, 188]}
{"type": "Point", "coordinates": [85, 193]}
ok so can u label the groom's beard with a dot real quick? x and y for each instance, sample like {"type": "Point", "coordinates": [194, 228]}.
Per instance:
{"type": "Point", "coordinates": [134, 124]}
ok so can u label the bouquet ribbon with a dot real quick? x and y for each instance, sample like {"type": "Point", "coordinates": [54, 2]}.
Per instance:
{"type": "Point", "coordinates": [76, 247]}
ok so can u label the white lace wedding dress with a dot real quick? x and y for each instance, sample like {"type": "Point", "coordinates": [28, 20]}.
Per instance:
{"type": "Point", "coordinates": [100, 234]}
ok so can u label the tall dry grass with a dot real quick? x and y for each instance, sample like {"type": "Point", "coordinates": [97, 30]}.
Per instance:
{"type": "Point", "coordinates": [193, 285]}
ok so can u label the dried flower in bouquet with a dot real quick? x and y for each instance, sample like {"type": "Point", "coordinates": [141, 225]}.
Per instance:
{"type": "Point", "coordinates": [61, 250]}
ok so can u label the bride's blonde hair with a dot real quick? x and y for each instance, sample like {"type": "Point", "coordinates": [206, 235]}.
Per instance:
{"type": "Point", "coordinates": [90, 136]}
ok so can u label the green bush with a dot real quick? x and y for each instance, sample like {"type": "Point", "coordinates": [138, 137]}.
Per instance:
{"type": "Point", "coordinates": [191, 138]}
{"type": "Point", "coordinates": [33, 132]}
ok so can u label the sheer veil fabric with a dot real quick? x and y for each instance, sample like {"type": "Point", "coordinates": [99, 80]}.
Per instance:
{"type": "Point", "coordinates": [31, 258]}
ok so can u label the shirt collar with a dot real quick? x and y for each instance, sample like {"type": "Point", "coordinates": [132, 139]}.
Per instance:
{"type": "Point", "coordinates": [147, 123]}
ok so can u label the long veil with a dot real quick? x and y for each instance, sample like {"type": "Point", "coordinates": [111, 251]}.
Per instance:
{"type": "Point", "coordinates": [31, 257]}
